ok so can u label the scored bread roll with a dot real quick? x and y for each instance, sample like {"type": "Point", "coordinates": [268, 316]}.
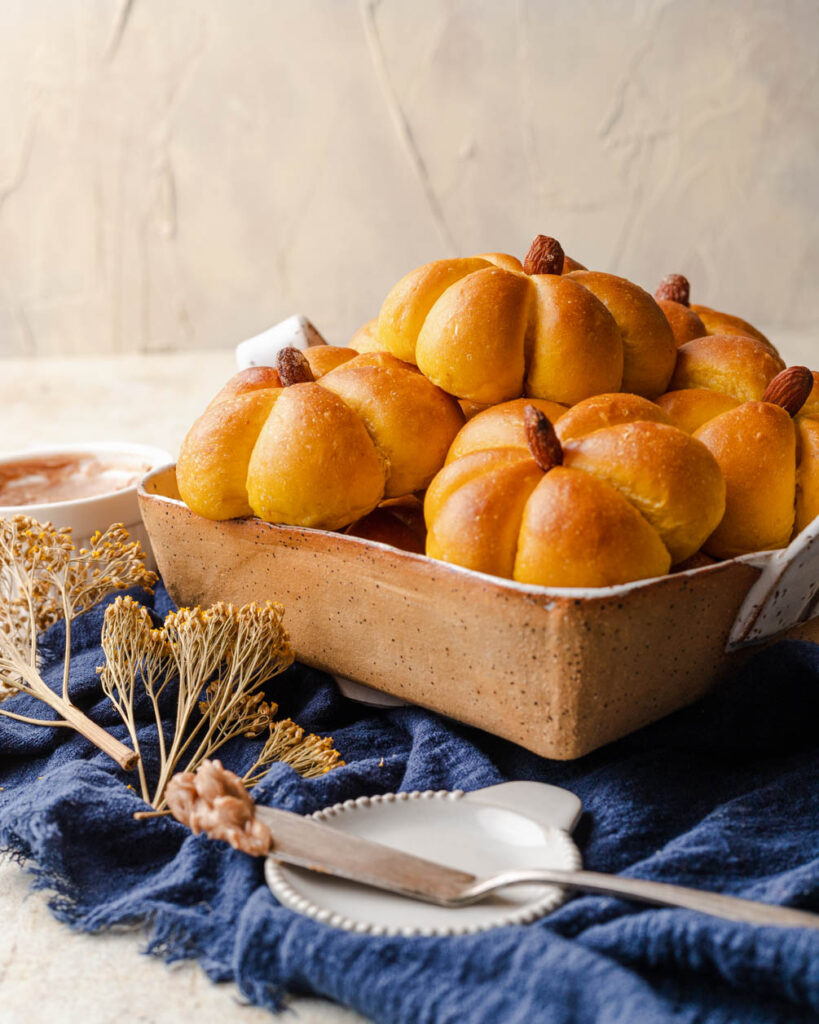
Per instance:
{"type": "Point", "coordinates": [411, 422]}
{"type": "Point", "coordinates": [277, 444]}
{"type": "Point", "coordinates": [770, 478]}
{"type": "Point", "coordinates": [623, 503]}
{"type": "Point", "coordinates": [212, 468]}
{"type": "Point", "coordinates": [753, 443]}
{"type": "Point", "coordinates": [577, 530]}
{"type": "Point", "coordinates": [649, 348]}
{"type": "Point", "coordinates": [724, 323]}
{"type": "Point", "coordinates": [690, 408]}
{"type": "Point", "coordinates": [314, 462]}
{"type": "Point", "coordinates": [489, 329]}
{"type": "Point", "coordinates": [501, 426]}
{"type": "Point", "coordinates": [606, 411]}
{"type": "Point", "coordinates": [673, 298]}
{"type": "Point", "coordinates": [674, 483]}
{"type": "Point", "coordinates": [732, 364]}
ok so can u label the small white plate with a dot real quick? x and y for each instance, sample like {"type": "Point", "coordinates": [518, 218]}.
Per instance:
{"type": "Point", "coordinates": [513, 825]}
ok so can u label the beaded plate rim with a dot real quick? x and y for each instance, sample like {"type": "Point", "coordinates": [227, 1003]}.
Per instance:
{"type": "Point", "coordinates": [289, 897]}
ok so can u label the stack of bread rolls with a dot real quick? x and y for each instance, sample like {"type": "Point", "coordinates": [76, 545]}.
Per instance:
{"type": "Point", "coordinates": [569, 429]}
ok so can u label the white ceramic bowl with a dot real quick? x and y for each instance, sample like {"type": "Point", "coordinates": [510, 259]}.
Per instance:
{"type": "Point", "coordinates": [85, 515]}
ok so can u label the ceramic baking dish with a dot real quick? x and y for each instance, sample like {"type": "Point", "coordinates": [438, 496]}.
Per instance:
{"type": "Point", "coordinates": [558, 671]}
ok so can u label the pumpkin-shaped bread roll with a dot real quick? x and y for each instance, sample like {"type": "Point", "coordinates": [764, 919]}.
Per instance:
{"type": "Point", "coordinates": [649, 348]}
{"type": "Point", "coordinates": [277, 444]}
{"type": "Point", "coordinates": [725, 323]}
{"type": "Point", "coordinates": [501, 426]}
{"type": "Point", "coordinates": [364, 339]}
{"type": "Point", "coordinates": [806, 422]}
{"type": "Point", "coordinates": [489, 329]}
{"type": "Point", "coordinates": [689, 408]}
{"type": "Point", "coordinates": [693, 321]}
{"type": "Point", "coordinates": [504, 425]}
{"type": "Point", "coordinates": [731, 364]}
{"type": "Point", "coordinates": [620, 503]}
{"type": "Point", "coordinates": [673, 298]}
{"type": "Point", "coordinates": [314, 462]}
{"type": "Point", "coordinates": [398, 522]}
{"type": "Point", "coordinates": [606, 411]}
{"type": "Point", "coordinates": [770, 463]}
{"type": "Point", "coordinates": [323, 358]}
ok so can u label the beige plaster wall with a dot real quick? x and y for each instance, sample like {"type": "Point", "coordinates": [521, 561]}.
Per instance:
{"type": "Point", "coordinates": [183, 173]}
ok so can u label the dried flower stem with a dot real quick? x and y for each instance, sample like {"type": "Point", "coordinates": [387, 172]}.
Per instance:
{"type": "Point", "coordinates": [221, 657]}
{"type": "Point", "coordinates": [43, 579]}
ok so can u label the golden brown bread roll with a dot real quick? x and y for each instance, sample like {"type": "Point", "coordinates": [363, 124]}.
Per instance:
{"type": "Point", "coordinates": [735, 365]}
{"type": "Point", "coordinates": [319, 454]}
{"type": "Point", "coordinates": [364, 339]}
{"type": "Point", "coordinates": [690, 408]}
{"type": "Point", "coordinates": [474, 506]}
{"type": "Point", "coordinates": [501, 426]}
{"type": "Point", "coordinates": [673, 295]}
{"type": "Point", "coordinates": [675, 484]}
{"type": "Point", "coordinates": [753, 443]}
{"type": "Point", "coordinates": [488, 330]}
{"type": "Point", "coordinates": [649, 348]}
{"type": "Point", "coordinates": [398, 522]}
{"type": "Point", "coordinates": [768, 480]}
{"type": "Point", "coordinates": [807, 472]}
{"type": "Point", "coordinates": [606, 411]}
{"type": "Point", "coordinates": [324, 358]}
{"type": "Point", "coordinates": [212, 467]}
{"type": "Point", "coordinates": [724, 323]}
{"type": "Point", "coordinates": [314, 462]}
{"type": "Point", "coordinates": [411, 422]}
{"type": "Point", "coordinates": [625, 498]}
{"type": "Point", "coordinates": [577, 530]}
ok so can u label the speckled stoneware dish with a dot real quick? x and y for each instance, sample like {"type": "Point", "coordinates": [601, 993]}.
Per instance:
{"type": "Point", "coordinates": [560, 672]}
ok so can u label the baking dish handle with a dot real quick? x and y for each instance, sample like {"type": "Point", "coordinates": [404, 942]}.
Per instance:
{"type": "Point", "coordinates": [784, 594]}
{"type": "Point", "coordinates": [261, 350]}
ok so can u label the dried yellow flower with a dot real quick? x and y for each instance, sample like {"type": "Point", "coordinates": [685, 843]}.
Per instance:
{"type": "Point", "coordinates": [44, 579]}
{"type": "Point", "coordinates": [221, 657]}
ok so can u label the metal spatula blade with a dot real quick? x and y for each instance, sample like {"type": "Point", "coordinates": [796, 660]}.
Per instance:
{"type": "Point", "coordinates": [309, 844]}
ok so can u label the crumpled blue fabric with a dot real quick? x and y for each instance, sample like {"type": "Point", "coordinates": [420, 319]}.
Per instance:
{"type": "Point", "coordinates": [723, 795]}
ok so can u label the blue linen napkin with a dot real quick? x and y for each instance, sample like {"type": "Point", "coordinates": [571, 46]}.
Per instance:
{"type": "Point", "coordinates": [723, 795]}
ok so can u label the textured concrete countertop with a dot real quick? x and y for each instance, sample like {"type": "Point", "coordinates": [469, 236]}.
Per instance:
{"type": "Point", "coordinates": [129, 398]}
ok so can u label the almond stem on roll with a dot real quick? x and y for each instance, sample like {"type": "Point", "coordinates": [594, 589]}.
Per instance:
{"type": "Point", "coordinates": [293, 367]}
{"type": "Point", "coordinates": [542, 439]}
{"type": "Point", "coordinates": [674, 288]}
{"type": "Point", "coordinates": [790, 389]}
{"type": "Point", "coordinates": [545, 256]}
